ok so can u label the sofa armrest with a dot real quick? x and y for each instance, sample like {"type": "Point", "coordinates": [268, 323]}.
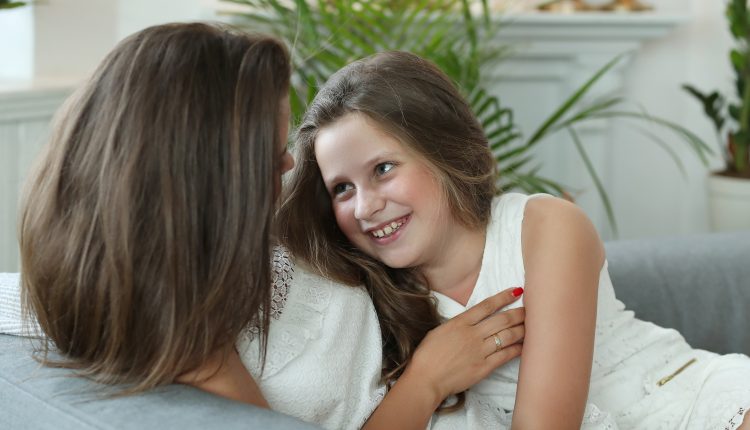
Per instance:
{"type": "Point", "coordinates": [699, 285]}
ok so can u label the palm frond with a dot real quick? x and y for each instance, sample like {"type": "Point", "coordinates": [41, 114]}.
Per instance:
{"type": "Point", "coordinates": [572, 101]}
{"type": "Point", "coordinates": [595, 177]}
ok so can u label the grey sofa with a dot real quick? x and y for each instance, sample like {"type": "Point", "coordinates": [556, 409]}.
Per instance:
{"type": "Point", "coordinates": [699, 285]}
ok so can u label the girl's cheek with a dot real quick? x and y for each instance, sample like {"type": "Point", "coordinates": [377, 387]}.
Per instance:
{"type": "Point", "coordinates": [339, 214]}
{"type": "Point", "coordinates": [345, 218]}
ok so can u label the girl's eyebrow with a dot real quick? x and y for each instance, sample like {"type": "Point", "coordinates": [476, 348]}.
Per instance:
{"type": "Point", "coordinates": [377, 158]}
{"type": "Point", "coordinates": [380, 157]}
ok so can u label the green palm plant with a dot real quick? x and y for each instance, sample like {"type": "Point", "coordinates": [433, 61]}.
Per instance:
{"type": "Point", "coordinates": [8, 4]}
{"type": "Point", "coordinates": [731, 119]}
{"type": "Point", "coordinates": [325, 35]}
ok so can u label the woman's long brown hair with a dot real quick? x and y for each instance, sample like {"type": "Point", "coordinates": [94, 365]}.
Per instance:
{"type": "Point", "coordinates": [144, 231]}
{"type": "Point", "coordinates": [411, 99]}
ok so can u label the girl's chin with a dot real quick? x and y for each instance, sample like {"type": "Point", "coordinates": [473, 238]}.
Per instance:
{"type": "Point", "coordinates": [396, 262]}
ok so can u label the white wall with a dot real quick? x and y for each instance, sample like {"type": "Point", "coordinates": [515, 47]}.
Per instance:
{"type": "Point", "coordinates": [134, 15]}
{"type": "Point", "coordinates": [17, 47]}
{"type": "Point", "coordinates": [651, 197]}
{"type": "Point", "coordinates": [72, 36]}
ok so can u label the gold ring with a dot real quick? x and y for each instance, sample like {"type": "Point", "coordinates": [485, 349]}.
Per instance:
{"type": "Point", "coordinates": [498, 342]}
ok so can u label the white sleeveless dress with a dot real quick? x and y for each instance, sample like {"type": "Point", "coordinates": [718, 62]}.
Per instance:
{"type": "Point", "coordinates": [630, 356]}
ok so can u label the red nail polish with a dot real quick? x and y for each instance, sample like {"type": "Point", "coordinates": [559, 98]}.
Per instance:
{"type": "Point", "coordinates": [517, 291]}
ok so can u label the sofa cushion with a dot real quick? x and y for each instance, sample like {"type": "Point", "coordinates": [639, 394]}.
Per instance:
{"type": "Point", "coordinates": [699, 285]}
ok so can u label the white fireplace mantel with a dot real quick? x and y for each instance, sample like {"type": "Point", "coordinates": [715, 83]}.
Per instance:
{"type": "Point", "coordinates": [552, 55]}
{"type": "Point", "coordinates": [628, 27]}
{"type": "Point", "coordinates": [554, 40]}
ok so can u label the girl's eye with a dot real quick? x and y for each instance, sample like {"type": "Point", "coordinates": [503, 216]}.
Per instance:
{"type": "Point", "coordinates": [383, 168]}
{"type": "Point", "coordinates": [341, 188]}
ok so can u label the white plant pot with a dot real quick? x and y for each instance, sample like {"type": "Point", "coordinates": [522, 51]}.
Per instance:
{"type": "Point", "coordinates": [729, 203]}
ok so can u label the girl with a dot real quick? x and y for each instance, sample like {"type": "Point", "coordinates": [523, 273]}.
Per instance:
{"type": "Point", "coordinates": [145, 245]}
{"type": "Point", "coordinates": [398, 172]}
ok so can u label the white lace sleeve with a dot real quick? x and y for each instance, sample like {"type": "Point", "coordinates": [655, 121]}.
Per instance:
{"type": "Point", "coordinates": [283, 272]}
{"type": "Point", "coordinates": [11, 316]}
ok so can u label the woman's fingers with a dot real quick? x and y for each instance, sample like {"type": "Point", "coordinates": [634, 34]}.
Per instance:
{"type": "Point", "coordinates": [490, 305]}
{"type": "Point", "coordinates": [504, 339]}
{"type": "Point", "coordinates": [501, 321]}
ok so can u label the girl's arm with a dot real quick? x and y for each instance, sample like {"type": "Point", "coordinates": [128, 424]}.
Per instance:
{"type": "Point", "coordinates": [451, 358]}
{"type": "Point", "coordinates": [563, 256]}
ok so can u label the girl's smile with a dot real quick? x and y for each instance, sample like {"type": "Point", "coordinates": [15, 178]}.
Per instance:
{"type": "Point", "coordinates": [389, 231]}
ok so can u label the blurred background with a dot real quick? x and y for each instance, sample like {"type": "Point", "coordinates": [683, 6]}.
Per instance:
{"type": "Point", "coordinates": [47, 48]}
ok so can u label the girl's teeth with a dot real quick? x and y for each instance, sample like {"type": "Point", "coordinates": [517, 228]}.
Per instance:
{"type": "Point", "coordinates": [390, 228]}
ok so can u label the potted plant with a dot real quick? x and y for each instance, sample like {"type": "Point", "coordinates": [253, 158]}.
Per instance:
{"type": "Point", "coordinates": [325, 35]}
{"type": "Point", "coordinates": [729, 188]}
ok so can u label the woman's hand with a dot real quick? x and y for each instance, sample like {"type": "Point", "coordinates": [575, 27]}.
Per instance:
{"type": "Point", "coordinates": [462, 351]}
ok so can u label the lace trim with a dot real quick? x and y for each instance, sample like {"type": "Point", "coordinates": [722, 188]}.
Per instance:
{"type": "Point", "coordinates": [487, 413]}
{"type": "Point", "coordinates": [298, 317]}
{"type": "Point", "coordinates": [736, 420]}
{"type": "Point", "coordinates": [490, 415]}
{"type": "Point", "coordinates": [281, 280]}
{"type": "Point", "coordinates": [602, 420]}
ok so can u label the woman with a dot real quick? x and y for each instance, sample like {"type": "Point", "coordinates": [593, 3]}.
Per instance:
{"type": "Point", "coordinates": [145, 238]}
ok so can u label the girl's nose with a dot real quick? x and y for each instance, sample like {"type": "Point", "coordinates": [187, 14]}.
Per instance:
{"type": "Point", "coordinates": [369, 202]}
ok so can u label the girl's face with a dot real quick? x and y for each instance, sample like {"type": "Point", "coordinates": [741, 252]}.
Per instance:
{"type": "Point", "coordinates": [385, 199]}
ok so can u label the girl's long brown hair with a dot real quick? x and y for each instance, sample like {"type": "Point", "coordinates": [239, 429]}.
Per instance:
{"type": "Point", "coordinates": [144, 231]}
{"type": "Point", "coordinates": [411, 99]}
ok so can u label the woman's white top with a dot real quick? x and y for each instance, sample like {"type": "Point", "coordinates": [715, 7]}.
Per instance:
{"type": "Point", "coordinates": [324, 355]}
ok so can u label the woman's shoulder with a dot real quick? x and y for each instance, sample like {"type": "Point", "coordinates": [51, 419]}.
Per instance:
{"type": "Point", "coordinates": [306, 309]}
{"type": "Point", "coordinates": [294, 283]}
{"type": "Point", "coordinates": [305, 277]}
